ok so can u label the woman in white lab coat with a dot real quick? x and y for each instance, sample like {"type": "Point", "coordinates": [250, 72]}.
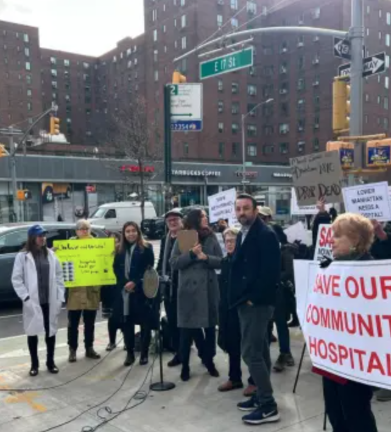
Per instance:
{"type": "Point", "coordinates": [38, 281]}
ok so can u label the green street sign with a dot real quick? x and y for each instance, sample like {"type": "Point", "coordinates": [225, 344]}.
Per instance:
{"type": "Point", "coordinates": [227, 63]}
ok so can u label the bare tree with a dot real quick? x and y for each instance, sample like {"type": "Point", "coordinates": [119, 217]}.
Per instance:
{"type": "Point", "coordinates": [130, 134]}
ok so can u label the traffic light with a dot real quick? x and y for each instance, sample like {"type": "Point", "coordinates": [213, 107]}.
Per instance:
{"type": "Point", "coordinates": [341, 104]}
{"type": "Point", "coordinates": [23, 195]}
{"type": "Point", "coordinates": [178, 78]}
{"type": "Point", "coordinates": [3, 151]}
{"type": "Point", "coordinates": [54, 125]}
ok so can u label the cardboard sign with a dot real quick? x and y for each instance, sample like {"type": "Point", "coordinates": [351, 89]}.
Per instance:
{"type": "Point", "coordinates": [317, 176]}
{"type": "Point", "coordinates": [304, 210]}
{"type": "Point", "coordinates": [86, 263]}
{"type": "Point", "coordinates": [371, 201]}
{"type": "Point", "coordinates": [323, 243]}
{"type": "Point", "coordinates": [222, 206]}
{"type": "Point", "coordinates": [187, 239]}
{"type": "Point", "coordinates": [344, 312]}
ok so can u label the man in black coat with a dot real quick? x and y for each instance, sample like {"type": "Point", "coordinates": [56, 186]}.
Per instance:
{"type": "Point", "coordinates": [173, 220]}
{"type": "Point", "coordinates": [255, 277]}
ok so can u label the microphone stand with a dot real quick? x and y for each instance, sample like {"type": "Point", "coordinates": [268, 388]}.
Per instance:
{"type": "Point", "coordinates": [161, 385]}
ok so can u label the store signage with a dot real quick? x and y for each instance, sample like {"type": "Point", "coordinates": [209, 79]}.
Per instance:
{"type": "Point", "coordinates": [282, 175]}
{"type": "Point", "coordinates": [196, 173]}
{"type": "Point", "coordinates": [136, 169]}
{"type": "Point", "coordinates": [91, 188]}
{"type": "Point", "coordinates": [247, 174]}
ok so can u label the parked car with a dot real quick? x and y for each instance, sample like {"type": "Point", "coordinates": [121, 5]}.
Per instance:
{"type": "Point", "coordinates": [154, 228]}
{"type": "Point", "coordinates": [113, 216]}
{"type": "Point", "coordinates": [13, 239]}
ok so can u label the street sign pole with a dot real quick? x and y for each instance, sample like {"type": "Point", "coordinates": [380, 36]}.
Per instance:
{"type": "Point", "coordinates": [167, 146]}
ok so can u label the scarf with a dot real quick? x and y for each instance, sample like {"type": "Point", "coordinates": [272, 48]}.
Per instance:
{"type": "Point", "coordinates": [128, 263]}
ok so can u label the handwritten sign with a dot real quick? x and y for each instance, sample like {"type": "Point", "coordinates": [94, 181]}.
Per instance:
{"type": "Point", "coordinates": [86, 263]}
{"type": "Point", "coordinates": [323, 247]}
{"type": "Point", "coordinates": [344, 311]}
{"type": "Point", "coordinates": [371, 201]}
{"type": "Point", "coordinates": [304, 210]}
{"type": "Point", "coordinates": [317, 176]}
{"type": "Point", "coordinates": [222, 206]}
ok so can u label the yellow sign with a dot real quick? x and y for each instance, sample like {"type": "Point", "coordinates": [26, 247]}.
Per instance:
{"type": "Point", "coordinates": [86, 262]}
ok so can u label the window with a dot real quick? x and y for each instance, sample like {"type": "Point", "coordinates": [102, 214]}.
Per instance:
{"type": "Point", "coordinates": [268, 71]}
{"type": "Point", "coordinates": [186, 148]}
{"type": "Point", "coordinates": [235, 149]}
{"type": "Point", "coordinates": [300, 125]}
{"type": "Point", "coordinates": [268, 130]}
{"type": "Point", "coordinates": [380, 35]}
{"type": "Point", "coordinates": [251, 8]}
{"type": "Point", "coordinates": [29, 106]}
{"type": "Point", "coordinates": [184, 42]}
{"type": "Point", "coordinates": [284, 108]}
{"type": "Point", "coordinates": [283, 89]}
{"type": "Point", "coordinates": [387, 40]}
{"type": "Point", "coordinates": [221, 127]}
{"type": "Point", "coordinates": [301, 63]}
{"type": "Point", "coordinates": [380, 13]}
{"type": "Point", "coordinates": [183, 21]}
{"type": "Point", "coordinates": [316, 13]}
{"type": "Point", "coordinates": [251, 150]}
{"type": "Point", "coordinates": [220, 85]}
{"type": "Point", "coordinates": [283, 147]}
{"type": "Point", "coordinates": [29, 93]}
{"type": "Point", "coordinates": [251, 109]}
{"type": "Point", "coordinates": [156, 75]}
{"type": "Point", "coordinates": [28, 79]}
{"type": "Point", "coordinates": [111, 214]}
{"type": "Point", "coordinates": [283, 128]}
{"type": "Point", "coordinates": [234, 4]}
{"type": "Point", "coordinates": [268, 149]}
{"type": "Point", "coordinates": [387, 82]}
{"type": "Point", "coordinates": [221, 106]}
{"type": "Point", "coordinates": [219, 20]}
{"type": "Point", "coordinates": [155, 35]}
{"type": "Point", "coordinates": [366, 97]}
{"type": "Point", "coordinates": [235, 108]}
{"type": "Point", "coordinates": [235, 88]}
{"type": "Point", "coordinates": [221, 149]}
{"type": "Point", "coordinates": [267, 50]}
{"type": "Point", "coordinates": [234, 22]}
{"type": "Point", "coordinates": [385, 123]}
{"type": "Point", "coordinates": [235, 128]}
{"type": "Point", "coordinates": [67, 63]}
{"type": "Point", "coordinates": [13, 242]}
{"type": "Point", "coordinates": [284, 47]}
{"type": "Point", "coordinates": [368, 9]}
{"type": "Point", "coordinates": [251, 90]}
{"type": "Point", "coordinates": [183, 2]}
{"type": "Point", "coordinates": [301, 146]}
{"type": "Point", "coordinates": [301, 84]}
{"type": "Point", "coordinates": [300, 41]}
{"type": "Point", "coordinates": [283, 68]}
{"type": "Point", "coordinates": [27, 52]}
{"type": "Point", "coordinates": [28, 66]}
{"type": "Point", "coordinates": [300, 105]}
{"type": "Point", "coordinates": [385, 102]}
{"type": "Point", "coordinates": [251, 130]}
{"type": "Point", "coordinates": [54, 85]}
{"type": "Point", "coordinates": [53, 72]}
{"type": "Point", "coordinates": [388, 18]}
{"type": "Point", "coordinates": [315, 145]}
{"type": "Point", "coordinates": [53, 60]}
{"type": "Point", "coordinates": [316, 122]}
{"type": "Point", "coordinates": [387, 61]}
{"type": "Point", "coordinates": [378, 100]}
{"type": "Point", "coordinates": [154, 14]}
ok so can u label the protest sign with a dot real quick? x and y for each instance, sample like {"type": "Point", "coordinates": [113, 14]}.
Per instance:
{"type": "Point", "coordinates": [370, 200]}
{"type": "Point", "coordinates": [220, 239]}
{"type": "Point", "coordinates": [86, 263]}
{"type": "Point", "coordinates": [323, 243]}
{"type": "Point", "coordinates": [304, 210]}
{"type": "Point", "coordinates": [317, 176]}
{"type": "Point", "coordinates": [344, 311]}
{"type": "Point", "coordinates": [297, 232]}
{"type": "Point", "coordinates": [222, 206]}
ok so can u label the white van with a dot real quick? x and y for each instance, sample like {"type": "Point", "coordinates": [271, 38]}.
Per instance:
{"type": "Point", "coordinates": [113, 216]}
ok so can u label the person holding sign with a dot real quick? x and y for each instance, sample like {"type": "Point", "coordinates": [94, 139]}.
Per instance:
{"type": "Point", "coordinates": [198, 291]}
{"type": "Point", "coordinates": [38, 281]}
{"type": "Point", "coordinates": [134, 258]}
{"type": "Point", "coordinates": [348, 403]}
{"type": "Point", "coordinates": [82, 301]}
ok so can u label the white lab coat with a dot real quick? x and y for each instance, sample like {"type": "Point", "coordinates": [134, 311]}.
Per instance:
{"type": "Point", "coordinates": [25, 283]}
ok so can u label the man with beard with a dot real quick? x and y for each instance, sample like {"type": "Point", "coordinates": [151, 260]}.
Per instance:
{"type": "Point", "coordinates": [173, 220]}
{"type": "Point", "coordinates": [255, 277]}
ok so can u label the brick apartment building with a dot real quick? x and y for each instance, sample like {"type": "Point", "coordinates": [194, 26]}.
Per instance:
{"type": "Point", "coordinates": [296, 71]}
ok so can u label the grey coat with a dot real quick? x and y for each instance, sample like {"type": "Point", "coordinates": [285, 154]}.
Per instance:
{"type": "Point", "coordinates": [198, 287]}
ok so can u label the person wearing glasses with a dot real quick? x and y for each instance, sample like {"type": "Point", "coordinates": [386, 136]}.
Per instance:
{"type": "Point", "coordinates": [38, 281]}
{"type": "Point", "coordinates": [82, 301]}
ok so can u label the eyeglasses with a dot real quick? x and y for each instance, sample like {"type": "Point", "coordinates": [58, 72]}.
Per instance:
{"type": "Point", "coordinates": [230, 241]}
{"type": "Point", "coordinates": [83, 229]}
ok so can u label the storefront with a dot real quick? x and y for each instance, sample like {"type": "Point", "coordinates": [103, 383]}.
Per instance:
{"type": "Point", "coordinates": [68, 187]}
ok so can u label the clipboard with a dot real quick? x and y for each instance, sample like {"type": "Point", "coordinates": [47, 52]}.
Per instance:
{"type": "Point", "coordinates": [187, 239]}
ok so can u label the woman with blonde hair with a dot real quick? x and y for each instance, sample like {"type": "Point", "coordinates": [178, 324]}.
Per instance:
{"type": "Point", "coordinates": [348, 403]}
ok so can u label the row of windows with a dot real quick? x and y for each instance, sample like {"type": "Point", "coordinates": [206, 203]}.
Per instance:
{"type": "Point", "coordinates": [283, 128]}
{"type": "Point", "coordinates": [26, 50]}
{"type": "Point", "coordinates": [388, 14]}
{"type": "Point", "coordinates": [26, 37]}
{"type": "Point", "coordinates": [67, 63]}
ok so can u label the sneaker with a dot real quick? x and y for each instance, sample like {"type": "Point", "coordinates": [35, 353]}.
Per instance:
{"type": "Point", "coordinates": [250, 390]}
{"type": "Point", "coordinates": [249, 404]}
{"type": "Point", "coordinates": [230, 385]}
{"type": "Point", "coordinates": [281, 362]}
{"type": "Point", "coordinates": [174, 362]}
{"type": "Point", "coordinates": [383, 395]}
{"type": "Point", "coordinates": [92, 354]}
{"type": "Point", "coordinates": [72, 356]}
{"type": "Point", "coordinates": [290, 361]}
{"type": "Point", "coordinates": [261, 416]}
{"type": "Point", "coordinates": [111, 347]}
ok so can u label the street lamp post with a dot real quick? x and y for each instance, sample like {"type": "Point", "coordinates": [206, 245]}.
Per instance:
{"type": "Point", "coordinates": [244, 116]}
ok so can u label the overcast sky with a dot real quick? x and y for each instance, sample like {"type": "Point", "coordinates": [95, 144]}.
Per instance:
{"type": "Point", "coordinates": [90, 27]}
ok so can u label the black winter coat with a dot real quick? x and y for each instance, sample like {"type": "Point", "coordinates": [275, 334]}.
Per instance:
{"type": "Point", "coordinates": [256, 267]}
{"type": "Point", "coordinates": [141, 309]}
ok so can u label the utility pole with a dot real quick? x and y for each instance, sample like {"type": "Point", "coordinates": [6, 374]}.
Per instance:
{"type": "Point", "coordinates": [356, 35]}
{"type": "Point", "coordinates": [167, 146]}
{"type": "Point", "coordinates": [13, 174]}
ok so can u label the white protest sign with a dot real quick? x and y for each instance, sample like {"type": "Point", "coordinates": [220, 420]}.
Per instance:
{"type": "Point", "coordinates": [345, 316]}
{"type": "Point", "coordinates": [303, 210]}
{"type": "Point", "coordinates": [370, 200]}
{"type": "Point", "coordinates": [222, 206]}
{"type": "Point", "coordinates": [297, 232]}
{"type": "Point", "coordinates": [220, 239]}
{"type": "Point", "coordinates": [323, 243]}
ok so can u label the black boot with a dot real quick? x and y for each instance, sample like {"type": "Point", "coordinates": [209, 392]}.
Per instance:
{"type": "Point", "coordinates": [92, 354]}
{"type": "Point", "coordinates": [34, 370]}
{"type": "Point", "coordinates": [185, 374]}
{"type": "Point", "coordinates": [129, 359]}
{"type": "Point", "coordinates": [175, 361]}
{"type": "Point", "coordinates": [144, 359]}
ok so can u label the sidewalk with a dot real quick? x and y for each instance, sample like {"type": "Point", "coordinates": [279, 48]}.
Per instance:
{"type": "Point", "coordinates": [195, 406]}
